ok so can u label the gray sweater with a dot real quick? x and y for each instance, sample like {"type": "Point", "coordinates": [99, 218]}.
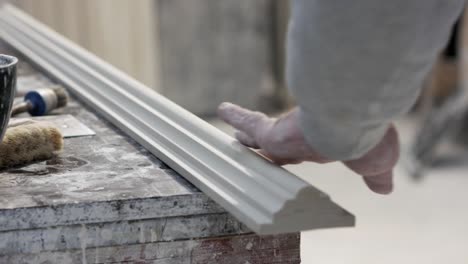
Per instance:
{"type": "Point", "coordinates": [354, 65]}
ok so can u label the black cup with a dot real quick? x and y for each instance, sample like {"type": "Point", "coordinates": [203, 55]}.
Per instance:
{"type": "Point", "coordinates": [7, 89]}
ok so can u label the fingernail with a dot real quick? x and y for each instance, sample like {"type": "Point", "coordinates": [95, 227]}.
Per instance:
{"type": "Point", "coordinates": [222, 108]}
{"type": "Point", "coordinates": [224, 105]}
{"type": "Point", "coordinates": [380, 188]}
{"type": "Point", "coordinates": [381, 184]}
{"type": "Point", "coordinates": [384, 190]}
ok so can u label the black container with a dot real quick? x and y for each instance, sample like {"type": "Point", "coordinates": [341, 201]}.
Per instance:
{"type": "Point", "coordinates": [7, 89]}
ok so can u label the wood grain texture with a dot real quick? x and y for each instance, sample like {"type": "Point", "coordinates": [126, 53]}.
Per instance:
{"type": "Point", "coordinates": [277, 249]}
{"type": "Point", "coordinates": [249, 249]}
{"type": "Point", "coordinates": [117, 233]}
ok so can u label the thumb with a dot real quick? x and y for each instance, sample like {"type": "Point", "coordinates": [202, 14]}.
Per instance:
{"type": "Point", "coordinates": [381, 159]}
{"type": "Point", "coordinates": [382, 183]}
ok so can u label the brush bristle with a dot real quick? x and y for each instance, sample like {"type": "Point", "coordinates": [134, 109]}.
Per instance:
{"type": "Point", "coordinates": [26, 143]}
{"type": "Point", "coordinates": [62, 97]}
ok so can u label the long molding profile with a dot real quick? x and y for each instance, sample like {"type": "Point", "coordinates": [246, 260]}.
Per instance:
{"type": "Point", "coordinates": [263, 196]}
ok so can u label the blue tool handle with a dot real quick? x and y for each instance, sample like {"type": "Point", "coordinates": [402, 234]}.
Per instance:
{"type": "Point", "coordinates": [39, 106]}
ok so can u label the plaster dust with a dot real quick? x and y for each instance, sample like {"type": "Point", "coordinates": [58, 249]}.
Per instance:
{"type": "Point", "coordinates": [104, 194]}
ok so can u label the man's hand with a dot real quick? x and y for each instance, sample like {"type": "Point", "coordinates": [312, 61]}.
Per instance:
{"type": "Point", "coordinates": [282, 141]}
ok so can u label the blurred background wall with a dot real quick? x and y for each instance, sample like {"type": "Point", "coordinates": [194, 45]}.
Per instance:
{"type": "Point", "coordinates": [122, 32]}
{"type": "Point", "coordinates": [197, 53]}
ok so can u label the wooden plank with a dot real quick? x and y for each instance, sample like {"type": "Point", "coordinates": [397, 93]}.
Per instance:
{"type": "Point", "coordinates": [118, 233]}
{"type": "Point", "coordinates": [228, 250]}
{"type": "Point", "coordinates": [249, 249]}
{"type": "Point", "coordinates": [107, 177]}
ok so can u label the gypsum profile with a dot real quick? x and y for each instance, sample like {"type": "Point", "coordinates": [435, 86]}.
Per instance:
{"type": "Point", "coordinates": [263, 196]}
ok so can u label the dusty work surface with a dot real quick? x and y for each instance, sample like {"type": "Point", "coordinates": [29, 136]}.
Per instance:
{"type": "Point", "coordinates": [92, 169]}
{"type": "Point", "coordinates": [102, 178]}
{"type": "Point", "coordinates": [105, 199]}
{"type": "Point", "coordinates": [106, 167]}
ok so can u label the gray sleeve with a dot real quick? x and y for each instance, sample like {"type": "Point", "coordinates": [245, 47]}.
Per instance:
{"type": "Point", "coordinates": [353, 66]}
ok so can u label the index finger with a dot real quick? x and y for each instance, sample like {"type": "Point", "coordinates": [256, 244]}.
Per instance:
{"type": "Point", "coordinates": [241, 118]}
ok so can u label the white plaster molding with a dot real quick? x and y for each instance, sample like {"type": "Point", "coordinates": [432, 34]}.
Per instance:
{"type": "Point", "coordinates": [265, 197]}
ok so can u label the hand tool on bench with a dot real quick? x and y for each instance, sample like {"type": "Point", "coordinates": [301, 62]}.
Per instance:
{"type": "Point", "coordinates": [41, 101]}
{"type": "Point", "coordinates": [26, 140]}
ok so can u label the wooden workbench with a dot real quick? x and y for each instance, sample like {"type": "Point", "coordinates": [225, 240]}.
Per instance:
{"type": "Point", "coordinates": [105, 199]}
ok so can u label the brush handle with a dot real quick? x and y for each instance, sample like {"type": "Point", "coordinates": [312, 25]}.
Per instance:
{"type": "Point", "coordinates": [21, 108]}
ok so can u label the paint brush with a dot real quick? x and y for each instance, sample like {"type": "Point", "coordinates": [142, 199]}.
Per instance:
{"type": "Point", "coordinates": [26, 141]}
{"type": "Point", "coordinates": [41, 101]}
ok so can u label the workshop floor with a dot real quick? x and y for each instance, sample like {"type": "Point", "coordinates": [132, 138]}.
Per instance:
{"type": "Point", "coordinates": [421, 222]}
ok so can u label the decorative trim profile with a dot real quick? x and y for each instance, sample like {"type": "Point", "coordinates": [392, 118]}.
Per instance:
{"type": "Point", "coordinates": [265, 197]}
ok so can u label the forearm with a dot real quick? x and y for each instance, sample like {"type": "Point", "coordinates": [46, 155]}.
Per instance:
{"type": "Point", "coordinates": [355, 65]}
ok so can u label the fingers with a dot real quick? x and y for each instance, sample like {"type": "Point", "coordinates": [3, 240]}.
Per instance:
{"type": "Point", "coordinates": [376, 166]}
{"type": "Point", "coordinates": [382, 158]}
{"type": "Point", "coordinates": [242, 119]}
{"type": "Point", "coordinates": [246, 140]}
{"type": "Point", "coordinates": [382, 183]}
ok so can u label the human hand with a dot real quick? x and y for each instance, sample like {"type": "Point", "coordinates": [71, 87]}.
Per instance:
{"type": "Point", "coordinates": [282, 141]}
